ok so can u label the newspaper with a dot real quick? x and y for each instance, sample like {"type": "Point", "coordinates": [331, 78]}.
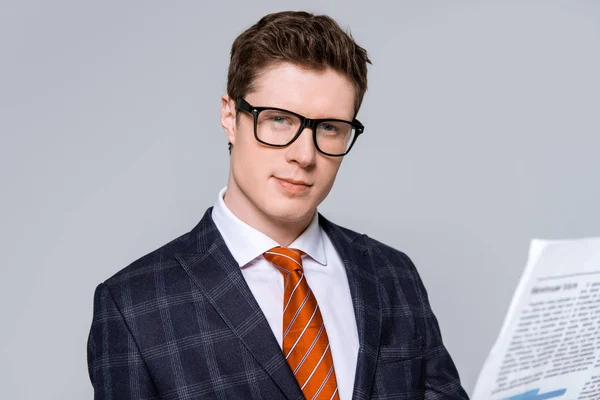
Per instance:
{"type": "Point", "coordinates": [549, 344]}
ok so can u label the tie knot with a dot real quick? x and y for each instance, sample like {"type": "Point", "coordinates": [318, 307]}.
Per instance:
{"type": "Point", "coordinates": [285, 258]}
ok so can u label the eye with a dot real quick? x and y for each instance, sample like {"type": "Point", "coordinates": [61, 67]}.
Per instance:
{"type": "Point", "coordinates": [279, 119]}
{"type": "Point", "coordinates": [329, 128]}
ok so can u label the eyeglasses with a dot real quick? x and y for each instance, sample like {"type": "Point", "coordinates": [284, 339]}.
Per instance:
{"type": "Point", "coordinates": [280, 128]}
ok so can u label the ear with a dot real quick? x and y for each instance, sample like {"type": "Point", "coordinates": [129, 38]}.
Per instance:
{"type": "Point", "coordinates": [228, 113]}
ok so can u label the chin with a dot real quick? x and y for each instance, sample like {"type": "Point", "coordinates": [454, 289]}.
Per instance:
{"type": "Point", "coordinates": [289, 212]}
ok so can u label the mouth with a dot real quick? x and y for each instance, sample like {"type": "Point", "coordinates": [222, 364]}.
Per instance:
{"type": "Point", "coordinates": [293, 186]}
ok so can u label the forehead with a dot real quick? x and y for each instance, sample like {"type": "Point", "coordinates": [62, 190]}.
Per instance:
{"type": "Point", "coordinates": [314, 93]}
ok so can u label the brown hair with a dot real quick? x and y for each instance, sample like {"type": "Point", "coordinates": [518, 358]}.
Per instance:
{"type": "Point", "coordinates": [301, 38]}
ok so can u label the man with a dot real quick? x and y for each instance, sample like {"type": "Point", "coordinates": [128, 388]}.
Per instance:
{"type": "Point", "coordinates": [265, 298]}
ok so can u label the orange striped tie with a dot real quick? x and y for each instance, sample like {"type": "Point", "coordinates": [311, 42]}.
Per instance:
{"type": "Point", "coordinates": [305, 343]}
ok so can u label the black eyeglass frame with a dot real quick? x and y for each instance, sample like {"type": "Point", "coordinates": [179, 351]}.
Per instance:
{"type": "Point", "coordinates": [312, 124]}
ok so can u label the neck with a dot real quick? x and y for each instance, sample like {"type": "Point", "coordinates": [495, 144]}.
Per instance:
{"type": "Point", "coordinates": [284, 232]}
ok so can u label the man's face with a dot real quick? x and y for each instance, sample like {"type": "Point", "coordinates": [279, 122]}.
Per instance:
{"type": "Point", "coordinates": [284, 184]}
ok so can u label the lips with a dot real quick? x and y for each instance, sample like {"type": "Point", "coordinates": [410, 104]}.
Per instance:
{"type": "Point", "coordinates": [293, 186]}
{"type": "Point", "coordinates": [294, 182]}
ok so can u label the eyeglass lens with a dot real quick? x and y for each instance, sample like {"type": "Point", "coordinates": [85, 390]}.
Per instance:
{"type": "Point", "coordinates": [279, 128]}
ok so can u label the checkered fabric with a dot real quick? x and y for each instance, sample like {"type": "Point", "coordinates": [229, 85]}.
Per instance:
{"type": "Point", "coordinates": [181, 323]}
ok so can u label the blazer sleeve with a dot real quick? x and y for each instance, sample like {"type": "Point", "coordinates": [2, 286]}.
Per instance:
{"type": "Point", "coordinates": [442, 379]}
{"type": "Point", "coordinates": [115, 365]}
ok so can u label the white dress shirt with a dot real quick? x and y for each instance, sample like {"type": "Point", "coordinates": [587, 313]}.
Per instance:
{"type": "Point", "coordinates": [323, 270]}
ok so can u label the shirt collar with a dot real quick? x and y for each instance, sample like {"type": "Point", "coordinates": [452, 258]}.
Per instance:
{"type": "Point", "coordinates": [246, 243]}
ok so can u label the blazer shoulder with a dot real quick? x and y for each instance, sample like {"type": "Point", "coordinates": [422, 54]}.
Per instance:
{"type": "Point", "coordinates": [160, 258]}
{"type": "Point", "coordinates": [388, 251]}
{"type": "Point", "coordinates": [363, 240]}
{"type": "Point", "coordinates": [379, 249]}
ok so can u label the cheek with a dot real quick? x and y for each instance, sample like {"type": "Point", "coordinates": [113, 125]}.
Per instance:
{"type": "Point", "coordinates": [328, 174]}
{"type": "Point", "coordinates": [333, 167]}
{"type": "Point", "coordinates": [252, 164]}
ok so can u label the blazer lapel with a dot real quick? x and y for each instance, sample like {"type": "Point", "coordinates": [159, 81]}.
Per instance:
{"type": "Point", "coordinates": [367, 307]}
{"type": "Point", "coordinates": [213, 269]}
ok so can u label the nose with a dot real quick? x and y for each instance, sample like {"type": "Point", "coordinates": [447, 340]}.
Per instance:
{"type": "Point", "coordinates": [303, 150]}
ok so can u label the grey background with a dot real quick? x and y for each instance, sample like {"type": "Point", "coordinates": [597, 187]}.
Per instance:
{"type": "Point", "coordinates": [482, 132]}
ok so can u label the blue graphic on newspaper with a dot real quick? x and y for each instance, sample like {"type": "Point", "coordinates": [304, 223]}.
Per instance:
{"type": "Point", "coordinates": [535, 395]}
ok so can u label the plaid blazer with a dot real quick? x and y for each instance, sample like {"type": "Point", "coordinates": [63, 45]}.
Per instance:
{"type": "Point", "coordinates": [181, 323]}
